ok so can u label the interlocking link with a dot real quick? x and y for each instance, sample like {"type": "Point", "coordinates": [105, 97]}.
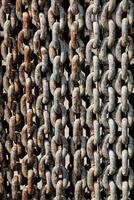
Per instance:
{"type": "Point", "coordinates": [66, 99]}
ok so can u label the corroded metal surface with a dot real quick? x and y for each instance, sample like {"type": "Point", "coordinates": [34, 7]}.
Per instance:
{"type": "Point", "coordinates": [66, 99]}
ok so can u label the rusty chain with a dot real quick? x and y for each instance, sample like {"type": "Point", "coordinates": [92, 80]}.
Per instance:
{"type": "Point", "coordinates": [66, 99]}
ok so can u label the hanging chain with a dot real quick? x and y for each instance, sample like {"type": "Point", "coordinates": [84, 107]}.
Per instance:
{"type": "Point", "coordinates": [66, 99]}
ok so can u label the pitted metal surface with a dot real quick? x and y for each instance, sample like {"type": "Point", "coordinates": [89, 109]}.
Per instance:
{"type": "Point", "coordinates": [67, 99]}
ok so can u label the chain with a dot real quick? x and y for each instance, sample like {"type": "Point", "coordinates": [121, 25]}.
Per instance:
{"type": "Point", "coordinates": [66, 99]}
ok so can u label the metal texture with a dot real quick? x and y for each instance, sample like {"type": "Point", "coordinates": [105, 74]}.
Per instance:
{"type": "Point", "coordinates": [67, 100]}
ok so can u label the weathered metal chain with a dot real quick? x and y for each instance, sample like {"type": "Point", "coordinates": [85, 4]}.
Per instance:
{"type": "Point", "coordinates": [66, 99]}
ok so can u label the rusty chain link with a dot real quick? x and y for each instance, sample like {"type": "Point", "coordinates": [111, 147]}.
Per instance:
{"type": "Point", "coordinates": [66, 99]}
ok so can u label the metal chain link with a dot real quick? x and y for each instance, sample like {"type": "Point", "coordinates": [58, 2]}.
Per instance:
{"type": "Point", "coordinates": [66, 99]}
